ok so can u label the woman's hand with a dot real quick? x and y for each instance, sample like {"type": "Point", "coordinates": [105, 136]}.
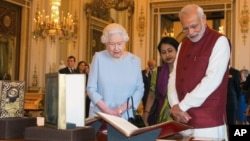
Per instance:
{"type": "Point", "coordinates": [118, 111]}
{"type": "Point", "coordinates": [123, 108]}
{"type": "Point", "coordinates": [104, 108]}
{"type": "Point", "coordinates": [115, 112]}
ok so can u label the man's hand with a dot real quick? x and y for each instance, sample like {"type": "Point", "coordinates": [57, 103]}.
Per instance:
{"type": "Point", "coordinates": [147, 71]}
{"type": "Point", "coordinates": [180, 115]}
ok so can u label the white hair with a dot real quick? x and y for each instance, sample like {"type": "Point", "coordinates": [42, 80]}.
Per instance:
{"type": "Point", "coordinates": [188, 7]}
{"type": "Point", "coordinates": [112, 29]}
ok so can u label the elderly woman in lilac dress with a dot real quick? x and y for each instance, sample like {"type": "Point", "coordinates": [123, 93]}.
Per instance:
{"type": "Point", "coordinates": [115, 75]}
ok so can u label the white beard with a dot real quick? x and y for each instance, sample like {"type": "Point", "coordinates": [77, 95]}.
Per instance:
{"type": "Point", "coordinates": [198, 36]}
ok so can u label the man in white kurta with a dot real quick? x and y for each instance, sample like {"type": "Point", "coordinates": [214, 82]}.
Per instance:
{"type": "Point", "coordinates": [198, 82]}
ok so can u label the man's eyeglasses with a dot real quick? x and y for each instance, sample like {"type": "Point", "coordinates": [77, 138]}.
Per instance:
{"type": "Point", "coordinates": [192, 27]}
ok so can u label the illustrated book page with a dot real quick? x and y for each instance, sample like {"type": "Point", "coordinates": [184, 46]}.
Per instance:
{"type": "Point", "coordinates": [128, 129]}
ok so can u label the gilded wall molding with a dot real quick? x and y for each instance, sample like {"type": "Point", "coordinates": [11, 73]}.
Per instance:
{"type": "Point", "coordinates": [101, 8]}
{"type": "Point", "coordinates": [244, 21]}
{"type": "Point", "coordinates": [185, 2]}
{"type": "Point", "coordinates": [24, 3]}
{"type": "Point", "coordinates": [8, 24]}
{"type": "Point", "coordinates": [141, 26]}
{"type": "Point", "coordinates": [176, 6]}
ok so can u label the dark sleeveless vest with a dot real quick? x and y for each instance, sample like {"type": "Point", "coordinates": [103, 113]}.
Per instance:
{"type": "Point", "coordinates": [191, 68]}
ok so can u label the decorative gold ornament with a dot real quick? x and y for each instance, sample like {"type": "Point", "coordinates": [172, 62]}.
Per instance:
{"type": "Point", "coordinates": [141, 26]}
{"type": "Point", "coordinates": [244, 21]}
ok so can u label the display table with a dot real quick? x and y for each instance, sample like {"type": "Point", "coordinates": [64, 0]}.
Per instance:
{"type": "Point", "coordinates": [42, 133]}
{"type": "Point", "coordinates": [11, 128]}
{"type": "Point", "coordinates": [103, 137]}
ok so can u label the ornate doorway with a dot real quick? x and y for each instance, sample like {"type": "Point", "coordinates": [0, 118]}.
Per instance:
{"type": "Point", "coordinates": [169, 10]}
{"type": "Point", "coordinates": [10, 25]}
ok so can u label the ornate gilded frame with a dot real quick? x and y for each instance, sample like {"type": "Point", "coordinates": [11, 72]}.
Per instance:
{"type": "Point", "coordinates": [95, 27]}
{"type": "Point", "coordinates": [99, 14]}
{"type": "Point", "coordinates": [10, 40]}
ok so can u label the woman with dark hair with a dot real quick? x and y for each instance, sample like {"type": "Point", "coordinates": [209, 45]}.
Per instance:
{"type": "Point", "coordinates": [158, 88]}
{"type": "Point", "coordinates": [81, 66]}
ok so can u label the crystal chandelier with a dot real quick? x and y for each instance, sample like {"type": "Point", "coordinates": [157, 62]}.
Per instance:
{"type": "Point", "coordinates": [56, 25]}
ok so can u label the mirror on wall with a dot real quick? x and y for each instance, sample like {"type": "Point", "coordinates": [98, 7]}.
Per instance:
{"type": "Point", "coordinates": [165, 20]}
{"type": "Point", "coordinates": [102, 12]}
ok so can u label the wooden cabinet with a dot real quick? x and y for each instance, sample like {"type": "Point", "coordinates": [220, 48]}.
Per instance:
{"type": "Point", "coordinates": [34, 101]}
{"type": "Point", "coordinates": [34, 104]}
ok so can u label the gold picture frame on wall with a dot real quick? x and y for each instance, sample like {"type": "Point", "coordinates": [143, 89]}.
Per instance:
{"type": "Point", "coordinates": [95, 27]}
{"type": "Point", "coordinates": [101, 13]}
{"type": "Point", "coordinates": [10, 38]}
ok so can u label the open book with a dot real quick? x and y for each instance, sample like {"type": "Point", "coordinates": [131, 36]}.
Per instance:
{"type": "Point", "coordinates": [129, 130]}
{"type": "Point", "coordinates": [91, 120]}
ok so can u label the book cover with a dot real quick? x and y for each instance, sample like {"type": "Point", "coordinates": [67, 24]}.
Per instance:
{"type": "Point", "coordinates": [128, 129]}
{"type": "Point", "coordinates": [12, 98]}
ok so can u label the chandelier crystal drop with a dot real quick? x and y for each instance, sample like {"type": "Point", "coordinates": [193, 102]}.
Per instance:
{"type": "Point", "coordinates": [55, 25]}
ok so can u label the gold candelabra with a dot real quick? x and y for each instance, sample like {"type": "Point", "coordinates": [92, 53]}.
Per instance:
{"type": "Point", "coordinates": [55, 25]}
